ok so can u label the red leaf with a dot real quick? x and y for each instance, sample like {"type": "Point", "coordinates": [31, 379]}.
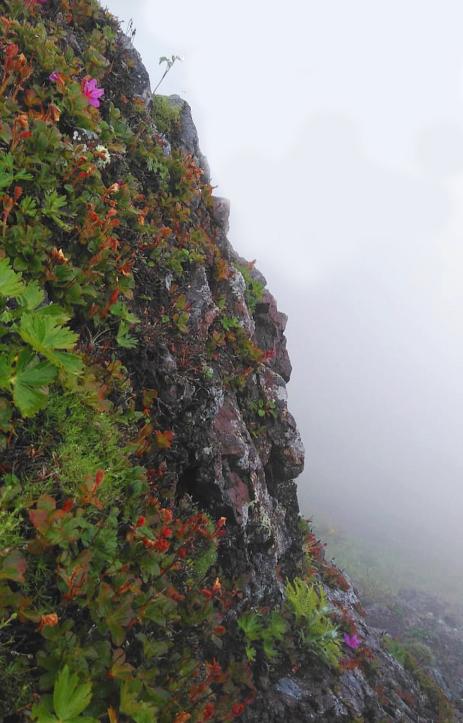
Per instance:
{"type": "Point", "coordinates": [39, 518]}
{"type": "Point", "coordinates": [13, 567]}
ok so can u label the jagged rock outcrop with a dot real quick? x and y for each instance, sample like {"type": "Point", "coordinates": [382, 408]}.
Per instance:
{"type": "Point", "coordinates": [250, 478]}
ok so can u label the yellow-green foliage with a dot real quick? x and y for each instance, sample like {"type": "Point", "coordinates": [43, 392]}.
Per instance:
{"type": "Point", "coordinates": [303, 619]}
{"type": "Point", "coordinates": [310, 608]}
{"type": "Point", "coordinates": [83, 441]}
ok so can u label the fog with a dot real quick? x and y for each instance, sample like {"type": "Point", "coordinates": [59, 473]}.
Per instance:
{"type": "Point", "coordinates": [336, 130]}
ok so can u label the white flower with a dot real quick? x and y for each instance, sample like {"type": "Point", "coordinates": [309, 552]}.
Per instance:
{"type": "Point", "coordinates": [103, 156]}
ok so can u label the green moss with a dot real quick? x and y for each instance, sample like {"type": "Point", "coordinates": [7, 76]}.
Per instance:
{"type": "Point", "coordinates": [166, 115]}
{"type": "Point", "coordinates": [89, 441]}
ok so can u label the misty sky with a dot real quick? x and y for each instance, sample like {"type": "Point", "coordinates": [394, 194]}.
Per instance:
{"type": "Point", "coordinates": [336, 130]}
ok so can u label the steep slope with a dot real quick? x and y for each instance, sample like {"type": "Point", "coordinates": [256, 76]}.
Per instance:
{"type": "Point", "coordinates": [153, 565]}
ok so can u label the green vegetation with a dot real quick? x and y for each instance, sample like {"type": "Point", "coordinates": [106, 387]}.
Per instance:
{"type": "Point", "coordinates": [254, 288]}
{"type": "Point", "coordinates": [166, 115]}
{"type": "Point", "coordinates": [264, 408]}
{"type": "Point", "coordinates": [309, 605]}
{"type": "Point", "coordinates": [268, 631]}
{"type": "Point", "coordinates": [98, 570]}
{"type": "Point", "coordinates": [306, 613]}
{"type": "Point", "coordinates": [36, 345]}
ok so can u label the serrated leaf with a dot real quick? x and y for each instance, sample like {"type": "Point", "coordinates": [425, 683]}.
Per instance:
{"type": "Point", "coordinates": [71, 363]}
{"type": "Point", "coordinates": [70, 697]}
{"type": "Point", "coordinates": [120, 309]}
{"type": "Point", "coordinates": [250, 652]}
{"type": "Point", "coordinates": [44, 333]}
{"type": "Point", "coordinates": [47, 336]}
{"type": "Point", "coordinates": [30, 393]}
{"type": "Point", "coordinates": [123, 337]}
{"type": "Point", "coordinates": [11, 285]}
{"type": "Point", "coordinates": [32, 296]}
{"type": "Point", "coordinates": [55, 312]}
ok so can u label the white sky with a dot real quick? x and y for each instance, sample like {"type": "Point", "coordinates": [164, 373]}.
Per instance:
{"type": "Point", "coordinates": [336, 130]}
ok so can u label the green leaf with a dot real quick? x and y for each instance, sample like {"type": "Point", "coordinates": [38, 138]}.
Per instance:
{"type": "Point", "coordinates": [6, 371]}
{"type": "Point", "coordinates": [251, 626]}
{"type": "Point", "coordinates": [32, 296]}
{"type": "Point", "coordinates": [47, 336]}
{"type": "Point", "coordinates": [11, 284]}
{"type": "Point", "coordinates": [70, 698]}
{"type": "Point", "coordinates": [120, 309]}
{"type": "Point", "coordinates": [6, 170]}
{"type": "Point", "coordinates": [250, 652]}
{"type": "Point", "coordinates": [277, 625]}
{"type": "Point", "coordinates": [30, 391]}
{"type": "Point", "coordinates": [70, 363]}
{"type": "Point", "coordinates": [123, 337]}
{"type": "Point", "coordinates": [117, 620]}
{"type": "Point", "coordinates": [140, 711]}
{"type": "Point", "coordinates": [52, 208]}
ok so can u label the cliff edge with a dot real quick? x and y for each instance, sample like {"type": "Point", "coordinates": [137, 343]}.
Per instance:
{"type": "Point", "coordinates": [153, 563]}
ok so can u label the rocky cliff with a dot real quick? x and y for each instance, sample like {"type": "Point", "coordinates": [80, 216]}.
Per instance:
{"type": "Point", "coordinates": [153, 564]}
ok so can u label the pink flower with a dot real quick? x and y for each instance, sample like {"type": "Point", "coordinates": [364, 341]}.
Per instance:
{"type": "Point", "coordinates": [92, 92]}
{"type": "Point", "coordinates": [352, 641]}
{"type": "Point", "coordinates": [32, 3]}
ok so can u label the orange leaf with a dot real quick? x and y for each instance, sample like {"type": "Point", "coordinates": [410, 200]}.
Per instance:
{"type": "Point", "coordinates": [164, 439]}
{"type": "Point", "coordinates": [182, 717]}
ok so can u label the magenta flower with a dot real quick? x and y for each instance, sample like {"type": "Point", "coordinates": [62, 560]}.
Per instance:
{"type": "Point", "coordinates": [352, 641]}
{"type": "Point", "coordinates": [92, 92]}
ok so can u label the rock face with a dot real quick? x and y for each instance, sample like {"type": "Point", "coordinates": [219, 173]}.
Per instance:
{"type": "Point", "coordinates": [245, 470]}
